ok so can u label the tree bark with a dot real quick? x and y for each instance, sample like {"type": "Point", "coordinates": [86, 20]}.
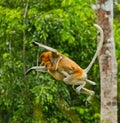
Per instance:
{"type": "Point", "coordinates": [108, 64]}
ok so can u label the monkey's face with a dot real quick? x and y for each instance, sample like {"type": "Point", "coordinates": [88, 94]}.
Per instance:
{"type": "Point", "coordinates": [45, 58]}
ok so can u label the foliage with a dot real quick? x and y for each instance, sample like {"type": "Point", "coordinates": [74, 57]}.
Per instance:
{"type": "Point", "coordinates": [117, 41]}
{"type": "Point", "coordinates": [66, 25]}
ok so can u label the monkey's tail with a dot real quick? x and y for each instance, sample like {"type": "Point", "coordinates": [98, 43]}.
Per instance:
{"type": "Point", "coordinates": [98, 49]}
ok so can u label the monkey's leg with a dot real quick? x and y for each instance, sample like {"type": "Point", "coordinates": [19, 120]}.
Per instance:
{"type": "Point", "coordinates": [78, 89]}
{"type": "Point", "coordinates": [91, 82]}
{"type": "Point", "coordinates": [37, 68]}
{"type": "Point", "coordinates": [65, 73]}
{"type": "Point", "coordinates": [90, 93]}
{"type": "Point", "coordinates": [73, 81]}
{"type": "Point", "coordinates": [70, 80]}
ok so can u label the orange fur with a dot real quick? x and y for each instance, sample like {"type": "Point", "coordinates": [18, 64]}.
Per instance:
{"type": "Point", "coordinates": [45, 59]}
{"type": "Point", "coordinates": [65, 69]}
{"type": "Point", "coordinates": [65, 64]}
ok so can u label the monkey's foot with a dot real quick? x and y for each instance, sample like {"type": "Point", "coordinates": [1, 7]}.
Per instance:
{"type": "Point", "coordinates": [78, 89]}
{"type": "Point", "coordinates": [87, 103]}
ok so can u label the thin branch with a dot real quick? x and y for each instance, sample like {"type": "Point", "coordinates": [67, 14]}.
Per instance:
{"type": "Point", "coordinates": [24, 36]}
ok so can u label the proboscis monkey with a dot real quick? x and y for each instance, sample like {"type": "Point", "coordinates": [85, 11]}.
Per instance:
{"type": "Point", "coordinates": [65, 69]}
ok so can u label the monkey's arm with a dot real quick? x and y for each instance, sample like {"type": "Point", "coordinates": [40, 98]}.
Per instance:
{"type": "Point", "coordinates": [44, 46]}
{"type": "Point", "coordinates": [37, 68]}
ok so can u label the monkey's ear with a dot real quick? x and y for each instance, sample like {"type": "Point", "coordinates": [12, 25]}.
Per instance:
{"type": "Point", "coordinates": [44, 46]}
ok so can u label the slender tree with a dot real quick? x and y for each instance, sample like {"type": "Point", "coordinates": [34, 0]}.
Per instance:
{"type": "Point", "coordinates": [108, 64]}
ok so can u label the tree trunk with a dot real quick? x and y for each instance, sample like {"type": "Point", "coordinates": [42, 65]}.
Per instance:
{"type": "Point", "coordinates": [108, 64]}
